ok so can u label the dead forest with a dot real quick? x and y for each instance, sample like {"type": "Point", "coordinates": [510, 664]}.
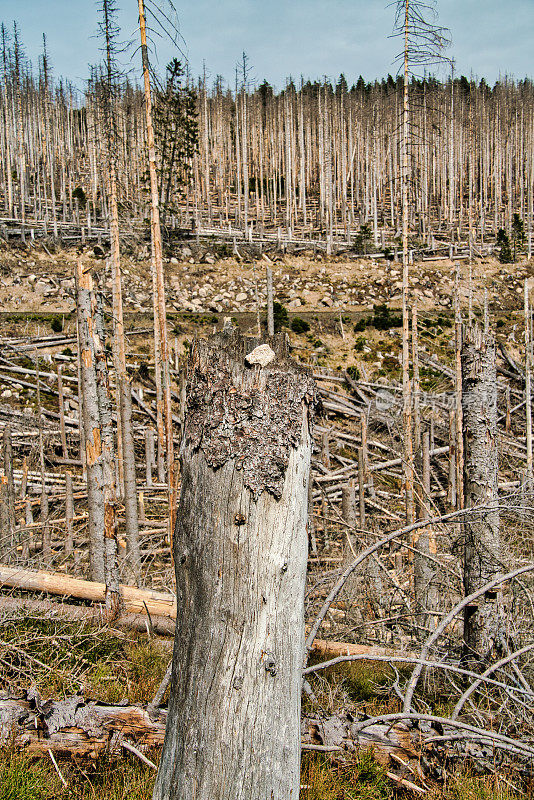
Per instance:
{"type": "Point", "coordinates": [266, 392]}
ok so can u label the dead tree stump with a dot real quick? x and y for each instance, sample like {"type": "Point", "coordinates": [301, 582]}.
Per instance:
{"type": "Point", "coordinates": [240, 550]}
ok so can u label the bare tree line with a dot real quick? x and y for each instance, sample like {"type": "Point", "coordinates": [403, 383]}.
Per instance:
{"type": "Point", "coordinates": [318, 158]}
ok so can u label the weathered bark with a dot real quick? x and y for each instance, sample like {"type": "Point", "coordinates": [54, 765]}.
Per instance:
{"type": "Point", "coordinates": [234, 708]}
{"type": "Point", "coordinates": [482, 556]}
{"type": "Point", "coordinates": [91, 423]}
{"type": "Point", "coordinates": [350, 515]}
{"type": "Point", "coordinates": [69, 515]}
{"type": "Point", "coordinates": [8, 470]}
{"type": "Point", "coordinates": [160, 316]}
{"type": "Point", "coordinates": [149, 454]}
{"type": "Point", "coordinates": [61, 404]}
{"type": "Point", "coordinates": [5, 532]}
{"type": "Point", "coordinates": [528, 389]}
{"type": "Point", "coordinates": [425, 593]}
{"type": "Point", "coordinates": [111, 562]}
{"type": "Point", "coordinates": [45, 525]}
{"type": "Point", "coordinates": [270, 311]}
{"type": "Point", "coordinates": [407, 421]}
{"type": "Point", "coordinates": [74, 727]}
{"type": "Point", "coordinates": [133, 555]}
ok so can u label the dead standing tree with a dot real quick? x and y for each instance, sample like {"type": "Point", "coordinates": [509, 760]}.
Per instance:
{"type": "Point", "coordinates": [482, 556]}
{"type": "Point", "coordinates": [423, 44]}
{"type": "Point", "coordinates": [90, 418]}
{"type": "Point", "coordinates": [125, 442]}
{"type": "Point", "coordinates": [161, 350]}
{"type": "Point", "coordinates": [240, 550]}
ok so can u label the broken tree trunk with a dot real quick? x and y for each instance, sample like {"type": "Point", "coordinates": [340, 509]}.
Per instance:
{"type": "Point", "coordinates": [240, 635]}
{"type": "Point", "coordinates": [91, 422]}
{"type": "Point", "coordinates": [111, 562]}
{"type": "Point", "coordinates": [482, 556]}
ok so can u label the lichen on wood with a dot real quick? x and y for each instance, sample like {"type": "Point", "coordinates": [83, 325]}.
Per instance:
{"type": "Point", "coordinates": [254, 417]}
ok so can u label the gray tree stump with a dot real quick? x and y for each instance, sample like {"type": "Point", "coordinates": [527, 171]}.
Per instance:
{"type": "Point", "coordinates": [240, 550]}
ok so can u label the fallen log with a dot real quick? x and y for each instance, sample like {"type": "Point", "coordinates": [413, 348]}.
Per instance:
{"type": "Point", "coordinates": [164, 626]}
{"type": "Point", "coordinates": [327, 648]}
{"type": "Point", "coordinates": [76, 727]}
{"type": "Point", "coordinates": [133, 599]}
{"type": "Point", "coordinates": [81, 728]}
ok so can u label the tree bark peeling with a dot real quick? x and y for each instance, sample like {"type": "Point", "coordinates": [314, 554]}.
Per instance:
{"type": "Point", "coordinates": [240, 550]}
{"type": "Point", "coordinates": [250, 415]}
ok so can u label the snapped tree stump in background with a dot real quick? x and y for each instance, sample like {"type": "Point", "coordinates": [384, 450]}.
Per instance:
{"type": "Point", "coordinates": [240, 550]}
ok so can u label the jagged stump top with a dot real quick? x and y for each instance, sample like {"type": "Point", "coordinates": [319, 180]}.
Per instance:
{"type": "Point", "coordinates": [245, 411]}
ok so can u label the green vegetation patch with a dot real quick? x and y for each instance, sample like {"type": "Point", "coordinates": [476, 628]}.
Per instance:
{"type": "Point", "coordinates": [299, 325]}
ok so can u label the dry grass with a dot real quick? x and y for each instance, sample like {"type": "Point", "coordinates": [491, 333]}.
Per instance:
{"type": "Point", "coordinates": [59, 657]}
{"type": "Point", "coordinates": [351, 778]}
{"type": "Point", "coordinates": [22, 779]}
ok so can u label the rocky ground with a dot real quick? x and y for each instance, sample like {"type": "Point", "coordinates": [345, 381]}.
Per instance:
{"type": "Point", "coordinates": [199, 281]}
{"type": "Point", "coordinates": [205, 284]}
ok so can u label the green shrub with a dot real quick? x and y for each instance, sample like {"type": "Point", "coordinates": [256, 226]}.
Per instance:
{"type": "Point", "coordinates": [281, 317]}
{"type": "Point", "coordinates": [299, 325]}
{"type": "Point", "coordinates": [354, 372]}
{"type": "Point", "coordinates": [505, 252]}
{"type": "Point", "coordinates": [56, 323]}
{"type": "Point", "coordinates": [361, 325]}
{"type": "Point", "coordinates": [360, 343]}
{"type": "Point", "coordinates": [383, 318]}
{"type": "Point", "coordinates": [79, 195]}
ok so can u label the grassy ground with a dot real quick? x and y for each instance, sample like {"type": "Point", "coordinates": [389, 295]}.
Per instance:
{"type": "Point", "coordinates": [111, 666]}
{"type": "Point", "coordinates": [323, 778]}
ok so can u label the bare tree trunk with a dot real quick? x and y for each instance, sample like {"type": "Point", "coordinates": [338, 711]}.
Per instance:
{"type": "Point", "coordinates": [233, 729]}
{"type": "Point", "coordinates": [161, 317]}
{"type": "Point", "coordinates": [8, 469]}
{"type": "Point", "coordinates": [111, 564]}
{"type": "Point", "coordinates": [91, 424]}
{"type": "Point", "coordinates": [425, 594]}
{"type": "Point", "coordinates": [458, 388]}
{"type": "Point", "coordinates": [45, 525]}
{"type": "Point", "coordinates": [528, 391]}
{"type": "Point", "coordinates": [406, 384]}
{"type": "Point", "coordinates": [350, 515]}
{"type": "Point", "coordinates": [482, 554]}
{"type": "Point", "coordinates": [69, 515]}
{"type": "Point", "coordinates": [6, 552]}
{"type": "Point", "coordinates": [130, 485]}
{"type": "Point", "coordinates": [270, 311]}
{"type": "Point", "coordinates": [61, 403]}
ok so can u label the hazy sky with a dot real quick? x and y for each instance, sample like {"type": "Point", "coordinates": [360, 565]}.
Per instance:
{"type": "Point", "coordinates": [286, 37]}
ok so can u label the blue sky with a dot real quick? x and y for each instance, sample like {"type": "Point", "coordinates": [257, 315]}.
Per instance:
{"type": "Point", "coordinates": [312, 38]}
